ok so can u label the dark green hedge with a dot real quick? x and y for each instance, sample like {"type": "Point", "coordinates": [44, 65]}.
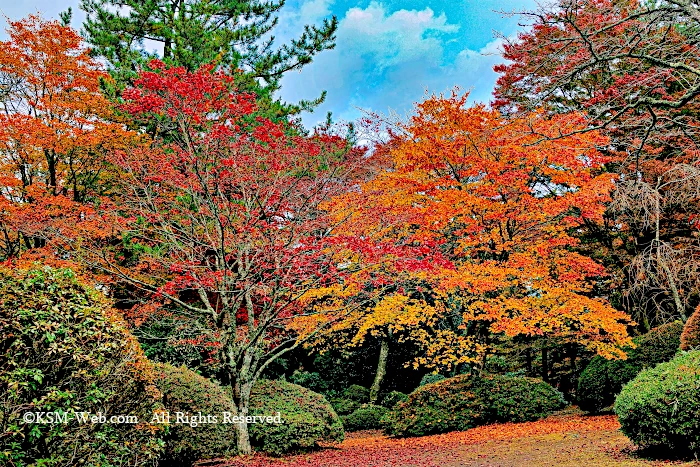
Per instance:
{"type": "Point", "coordinates": [603, 379]}
{"type": "Point", "coordinates": [344, 406]}
{"type": "Point", "coordinates": [463, 402]}
{"type": "Point", "coordinates": [357, 393]}
{"type": "Point", "coordinates": [307, 418]}
{"type": "Point", "coordinates": [659, 345]}
{"type": "Point", "coordinates": [660, 408]}
{"type": "Point", "coordinates": [187, 392]}
{"type": "Point", "coordinates": [430, 378]}
{"type": "Point", "coordinates": [520, 399]}
{"type": "Point", "coordinates": [367, 417]}
{"type": "Point", "coordinates": [392, 398]}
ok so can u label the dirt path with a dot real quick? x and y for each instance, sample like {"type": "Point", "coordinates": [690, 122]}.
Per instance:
{"type": "Point", "coordinates": [561, 441]}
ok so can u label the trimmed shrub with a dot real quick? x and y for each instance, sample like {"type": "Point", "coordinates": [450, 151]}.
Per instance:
{"type": "Point", "coordinates": [187, 392]}
{"type": "Point", "coordinates": [64, 349]}
{"type": "Point", "coordinates": [690, 339]}
{"type": "Point", "coordinates": [463, 402]}
{"type": "Point", "coordinates": [659, 345]}
{"type": "Point", "coordinates": [447, 405]}
{"type": "Point", "coordinates": [521, 399]}
{"type": "Point", "coordinates": [659, 408]}
{"type": "Point", "coordinates": [309, 380]}
{"type": "Point", "coordinates": [430, 378]}
{"type": "Point", "coordinates": [393, 398]}
{"type": "Point", "coordinates": [367, 417]}
{"type": "Point", "coordinates": [307, 418]}
{"type": "Point", "coordinates": [357, 393]}
{"type": "Point", "coordinates": [344, 406]}
{"type": "Point", "coordinates": [603, 379]}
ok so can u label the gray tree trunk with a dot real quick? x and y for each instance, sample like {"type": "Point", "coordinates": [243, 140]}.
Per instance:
{"type": "Point", "coordinates": [381, 370]}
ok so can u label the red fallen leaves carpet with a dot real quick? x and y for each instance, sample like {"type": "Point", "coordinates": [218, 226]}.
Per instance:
{"type": "Point", "coordinates": [563, 441]}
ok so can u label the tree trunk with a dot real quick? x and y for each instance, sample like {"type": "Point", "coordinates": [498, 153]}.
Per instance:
{"type": "Point", "coordinates": [241, 403]}
{"type": "Point", "coordinates": [242, 384]}
{"type": "Point", "coordinates": [545, 365]}
{"type": "Point", "coordinates": [573, 371]}
{"type": "Point", "coordinates": [381, 370]}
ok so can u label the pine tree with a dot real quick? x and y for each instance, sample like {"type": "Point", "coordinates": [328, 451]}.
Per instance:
{"type": "Point", "coordinates": [233, 34]}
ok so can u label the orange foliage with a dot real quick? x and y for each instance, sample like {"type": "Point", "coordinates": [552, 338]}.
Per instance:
{"type": "Point", "coordinates": [55, 130]}
{"type": "Point", "coordinates": [497, 205]}
{"type": "Point", "coordinates": [690, 339]}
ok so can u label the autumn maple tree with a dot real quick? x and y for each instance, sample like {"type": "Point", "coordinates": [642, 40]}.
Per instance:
{"type": "Point", "coordinates": [494, 209]}
{"type": "Point", "coordinates": [632, 68]}
{"type": "Point", "coordinates": [55, 130]}
{"type": "Point", "coordinates": [220, 218]}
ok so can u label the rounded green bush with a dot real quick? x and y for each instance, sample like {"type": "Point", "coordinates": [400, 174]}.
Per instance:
{"type": "Point", "coordinates": [660, 408]}
{"type": "Point", "coordinates": [357, 393]}
{"type": "Point", "coordinates": [65, 350]}
{"type": "Point", "coordinates": [393, 398]}
{"type": "Point", "coordinates": [190, 394]}
{"type": "Point", "coordinates": [463, 402]}
{"type": "Point", "coordinates": [344, 406]}
{"type": "Point", "coordinates": [521, 399]}
{"type": "Point", "coordinates": [367, 417]}
{"type": "Point", "coordinates": [307, 418]}
{"type": "Point", "coordinates": [659, 345]}
{"type": "Point", "coordinates": [309, 380]}
{"type": "Point", "coordinates": [603, 379]}
{"type": "Point", "coordinates": [447, 405]}
{"type": "Point", "coordinates": [430, 378]}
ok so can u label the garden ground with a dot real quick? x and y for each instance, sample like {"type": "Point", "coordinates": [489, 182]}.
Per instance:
{"type": "Point", "coordinates": [566, 440]}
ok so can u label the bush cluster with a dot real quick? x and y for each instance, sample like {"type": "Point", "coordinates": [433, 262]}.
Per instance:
{"type": "Point", "coordinates": [659, 408]}
{"type": "Point", "coordinates": [64, 349]}
{"type": "Point", "coordinates": [344, 406]}
{"type": "Point", "coordinates": [520, 399]}
{"type": "Point", "coordinates": [465, 401]}
{"type": "Point", "coordinates": [186, 391]}
{"type": "Point", "coordinates": [367, 417]}
{"type": "Point", "coordinates": [357, 393]}
{"type": "Point", "coordinates": [392, 398]}
{"type": "Point", "coordinates": [431, 378]}
{"type": "Point", "coordinates": [307, 418]}
{"type": "Point", "coordinates": [603, 379]}
{"type": "Point", "coordinates": [310, 380]}
{"type": "Point", "coordinates": [659, 345]}
{"type": "Point", "coordinates": [690, 339]}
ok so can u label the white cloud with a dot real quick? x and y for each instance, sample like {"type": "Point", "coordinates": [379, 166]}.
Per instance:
{"type": "Point", "coordinates": [386, 60]}
{"type": "Point", "coordinates": [315, 10]}
{"type": "Point", "coordinates": [390, 40]}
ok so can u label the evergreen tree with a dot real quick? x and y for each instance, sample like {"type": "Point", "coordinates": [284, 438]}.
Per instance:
{"type": "Point", "coordinates": [231, 33]}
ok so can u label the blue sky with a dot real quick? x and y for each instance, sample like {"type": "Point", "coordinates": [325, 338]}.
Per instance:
{"type": "Point", "coordinates": [388, 52]}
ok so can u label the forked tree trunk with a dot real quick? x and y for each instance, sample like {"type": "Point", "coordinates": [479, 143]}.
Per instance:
{"type": "Point", "coordinates": [381, 370]}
